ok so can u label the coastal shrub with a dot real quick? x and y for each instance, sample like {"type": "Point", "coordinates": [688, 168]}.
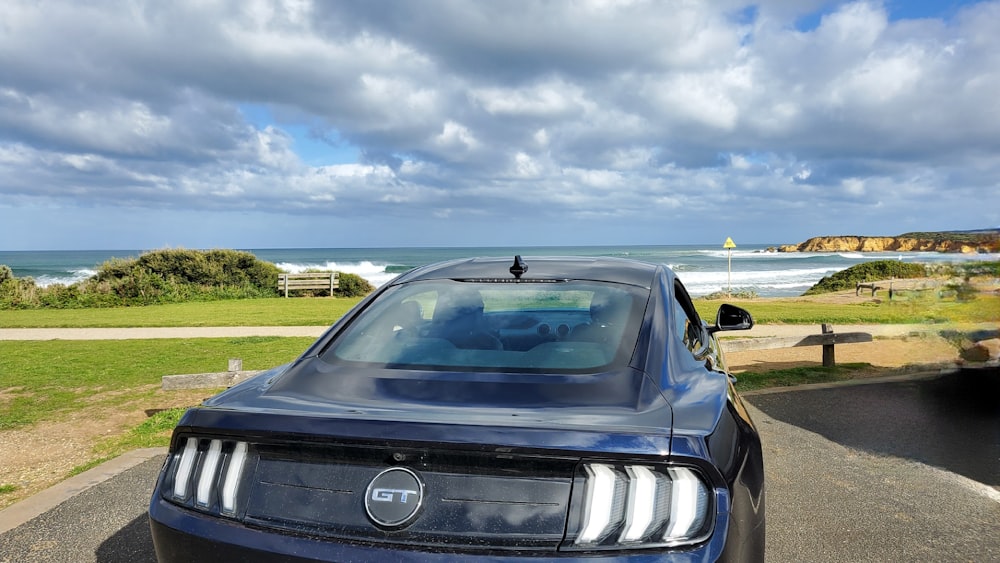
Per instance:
{"type": "Point", "coordinates": [161, 276]}
{"type": "Point", "coordinates": [991, 269]}
{"type": "Point", "coordinates": [211, 268]}
{"type": "Point", "coordinates": [965, 270]}
{"type": "Point", "coordinates": [174, 275]}
{"type": "Point", "coordinates": [353, 285]}
{"type": "Point", "coordinates": [18, 293]}
{"type": "Point", "coordinates": [58, 296]}
{"type": "Point", "coordinates": [745, 293]}
{"type": "Point", "coordinates": [867, 272]}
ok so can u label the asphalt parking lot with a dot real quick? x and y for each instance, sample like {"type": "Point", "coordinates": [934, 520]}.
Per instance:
{"type": "Point", "coordinates": [901, 471]}
{"type": "Point", "coordinates": [894, 471]}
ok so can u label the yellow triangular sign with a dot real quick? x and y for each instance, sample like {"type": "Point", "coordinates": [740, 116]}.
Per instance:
{"type": "Point", "coordinates": [729, 243]}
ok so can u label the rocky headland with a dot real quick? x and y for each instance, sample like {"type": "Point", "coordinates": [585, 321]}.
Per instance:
{"type": "Point", "coordinates": [968, 242]}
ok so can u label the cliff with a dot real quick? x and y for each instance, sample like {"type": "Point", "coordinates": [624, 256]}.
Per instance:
{"type": "Point", "coordinates": [965, 241]}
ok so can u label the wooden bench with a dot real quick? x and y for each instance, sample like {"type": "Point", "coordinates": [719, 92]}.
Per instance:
{"type": "Point", "coordinates": [871, 286]}
{"type": "Point", "coordinates": [310, 280]}
{"type": "Point", "coordinates": [827, 339]}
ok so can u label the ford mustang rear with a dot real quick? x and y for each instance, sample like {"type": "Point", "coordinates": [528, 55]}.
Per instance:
{"type": "Point", "coordinates": [553, 409]}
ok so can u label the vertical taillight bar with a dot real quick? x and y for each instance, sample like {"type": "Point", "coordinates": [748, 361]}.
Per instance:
{"type": "Point", "coordinates": [604, 505]}
{"type": "Point", "coordinates": [685, 500]}
{"type": "Point", "coordinates": [234, 473]}
{"type": "Point", "coordinates": [209, 474]}
{"type": "Point", "coordinates": [183, 477]}
{"type": "Point", "coordinates": [641, 507]}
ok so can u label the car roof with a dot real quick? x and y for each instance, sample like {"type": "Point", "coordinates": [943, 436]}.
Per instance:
{"type": "Point", "coordinates": [539, 268]}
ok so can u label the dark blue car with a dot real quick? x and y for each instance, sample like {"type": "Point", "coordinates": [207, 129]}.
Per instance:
{"type": "Point", "coordinates": [553, 409]}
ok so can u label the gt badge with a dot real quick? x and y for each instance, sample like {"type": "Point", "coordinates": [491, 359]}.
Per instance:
{"type": "Point", "coordinates": [394, 497]}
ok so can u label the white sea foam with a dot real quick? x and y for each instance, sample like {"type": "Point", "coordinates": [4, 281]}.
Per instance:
{"type": "Point", "coordinates": [735, 254]}
{"type": "Point", "coordinates": [763, 281]}
{"type": "Point", "coordinates": [74, 276]}
{"type": "Point", "coordinates": [374, 273]}
{"type": "Point", "coordinates": [760, 255]}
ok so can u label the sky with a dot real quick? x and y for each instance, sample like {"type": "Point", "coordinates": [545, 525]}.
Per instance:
{"type": "Point", "coordinates": [381, 123]}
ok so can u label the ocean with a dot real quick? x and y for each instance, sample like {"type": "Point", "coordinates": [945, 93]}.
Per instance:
{"type": "Point", "coordinates": [702, 268]}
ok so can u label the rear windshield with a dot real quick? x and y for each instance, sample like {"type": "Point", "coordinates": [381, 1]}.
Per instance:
{"type": "Point", "coordinates": [444, 325]}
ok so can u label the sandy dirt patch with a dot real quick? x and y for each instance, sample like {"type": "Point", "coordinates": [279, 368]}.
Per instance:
{"type": "Point", "coordinates": [883, 354]}
{"type": "Point", "coordinates": [38, 456]}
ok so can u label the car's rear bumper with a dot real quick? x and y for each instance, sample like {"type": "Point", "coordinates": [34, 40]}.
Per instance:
{"type": "Point", "coordinates": [180, 535]}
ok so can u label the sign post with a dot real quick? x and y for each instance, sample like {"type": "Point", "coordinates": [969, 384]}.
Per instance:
{"type": "Point", "coordinates": [730, 245]}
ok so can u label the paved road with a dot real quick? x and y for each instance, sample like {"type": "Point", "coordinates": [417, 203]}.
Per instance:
{"type": "Point", "coordinates": [106, 523]}
{"type": "Point", "coordinates": [878, 472]}
{"type": "Point", "coordinates": [903, 471]}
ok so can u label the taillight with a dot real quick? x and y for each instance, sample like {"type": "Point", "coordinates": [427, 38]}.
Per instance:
{"type": "Point", "coordinates": [637, 506]}
{"type": "Point", "coordinates": [205, 474]}
{"type": "Point", "coordinates": [234, 474]}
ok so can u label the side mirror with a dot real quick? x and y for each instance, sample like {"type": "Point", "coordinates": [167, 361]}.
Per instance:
{"type": "Point", "coordinates": [731, 317]}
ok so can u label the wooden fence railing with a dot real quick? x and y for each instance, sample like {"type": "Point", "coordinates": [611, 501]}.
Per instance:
{"type": "Point", "coordinates": [827, 339]}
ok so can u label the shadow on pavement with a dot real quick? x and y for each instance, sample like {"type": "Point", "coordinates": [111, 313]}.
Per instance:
{"type": "Point", "coordinates": [132, 544]}
{"type": "Point", "coordinates": [951, 422]}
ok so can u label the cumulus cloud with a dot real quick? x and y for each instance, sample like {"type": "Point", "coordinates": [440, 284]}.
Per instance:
{"type": "Point", "coordinates": [643, 113]}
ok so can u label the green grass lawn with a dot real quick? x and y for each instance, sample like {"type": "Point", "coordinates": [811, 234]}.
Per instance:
{"type": "Point", "coordinates": [50, 380]}
{"type": "Point", "coordinates": [320, 311]}
{"type": "Point", "coordinates": [324, 311]}
{"type": "Point", "coordinates": [985, 308]}
{"type": "Point", "coordinates": [44, 380]}
{"type": "Point", "coordinates": [750, 381]}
